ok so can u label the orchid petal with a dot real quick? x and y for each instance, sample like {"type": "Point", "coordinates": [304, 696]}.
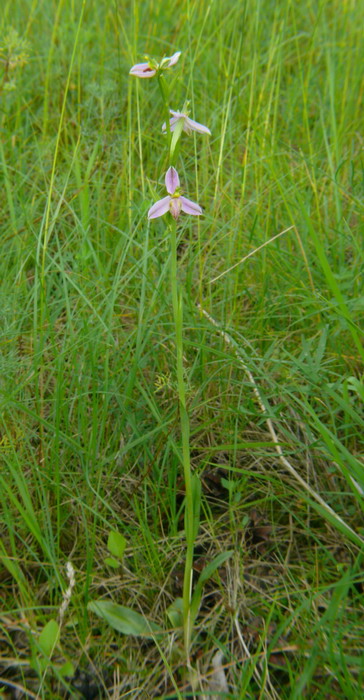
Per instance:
{"type": "Point", "coordinates": [173, 59]}
{"type": "Point", "coordinates": [175, 206]}
{"type": "Point", "coordinates": [142, 70]}
{"type": "Point", "coordinates": [172, 124]}
{"type": "Point", "coordinates": [195, 126]}
{"type": "Point", "coordinates": [171, 180]}
{"type": "Point", "coordinates": [190, 207]}
{"type": "Point", "coordinates": [159, 208]}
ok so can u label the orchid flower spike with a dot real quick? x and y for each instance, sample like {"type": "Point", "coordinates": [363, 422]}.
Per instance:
{"type": "Point", "coordinates": [174, 202]}
{"type": "Point", "coordinates": [151, 67]}
{"type": "Point", "coordinates": [188, 124]}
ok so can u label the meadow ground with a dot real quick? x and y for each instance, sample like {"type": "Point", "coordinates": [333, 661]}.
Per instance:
{"type": "Point", "coordinates": [273, 348]}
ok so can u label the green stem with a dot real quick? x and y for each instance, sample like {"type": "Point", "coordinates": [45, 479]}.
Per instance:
{"type": "Point", "coordinates": [165, 97]}
{"type": "Point", "coordinates": [185, 431]}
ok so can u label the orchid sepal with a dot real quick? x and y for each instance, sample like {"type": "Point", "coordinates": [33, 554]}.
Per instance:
{"type": "Point", "coordinates": [190, 207]}
{"type": "Point", "coordinates": [159, 208]}
{"type": "Point", "coordinates": [172, 180]}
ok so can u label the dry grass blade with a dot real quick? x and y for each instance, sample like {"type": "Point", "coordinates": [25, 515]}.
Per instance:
{"type": "Point", "coordinates": [252, 252]}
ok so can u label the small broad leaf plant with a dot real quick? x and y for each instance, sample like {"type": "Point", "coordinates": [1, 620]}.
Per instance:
{"type": "Point", "coordinates": [14, 54]}
{"type": "Point", "coordinates": [171, 206]}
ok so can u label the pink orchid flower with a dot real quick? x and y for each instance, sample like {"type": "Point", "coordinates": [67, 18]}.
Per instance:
{"type": "Point", "coordinates": [143, 70]}
{"type": "Point", "coordinates": [149, 69]}
{"type": "Point", "coordinates": [174, 202]}
{"type": "Point", "coordinates": [170, 61]}
{"type": "Point", "coordinates": [188, 124]}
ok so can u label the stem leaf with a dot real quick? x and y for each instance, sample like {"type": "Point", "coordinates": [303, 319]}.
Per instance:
{"type": "Point", "coordinates": [48, 638]}
{"type": "Point", "coordinates": [204, 576]}
{"type": "Point", "coordinates": [124, 619]}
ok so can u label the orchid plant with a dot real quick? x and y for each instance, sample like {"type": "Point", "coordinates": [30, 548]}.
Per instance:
{"type": "Point", "coordinates": [183, 611]}
{"type": "Point", "coordinates": [177, 122]}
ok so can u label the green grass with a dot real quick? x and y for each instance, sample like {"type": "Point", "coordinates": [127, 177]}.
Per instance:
{"type": "Point", "coordinates": [90, 437]}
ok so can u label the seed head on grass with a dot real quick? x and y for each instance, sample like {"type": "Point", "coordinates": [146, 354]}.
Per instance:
{"type": "Point", "coordinates": [67, 593]}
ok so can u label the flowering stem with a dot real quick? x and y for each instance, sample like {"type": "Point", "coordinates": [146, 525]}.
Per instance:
{"type": "Point", "coordinates": [190, 525]}
{"type": "Point", "coordinates": [165, 97]}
